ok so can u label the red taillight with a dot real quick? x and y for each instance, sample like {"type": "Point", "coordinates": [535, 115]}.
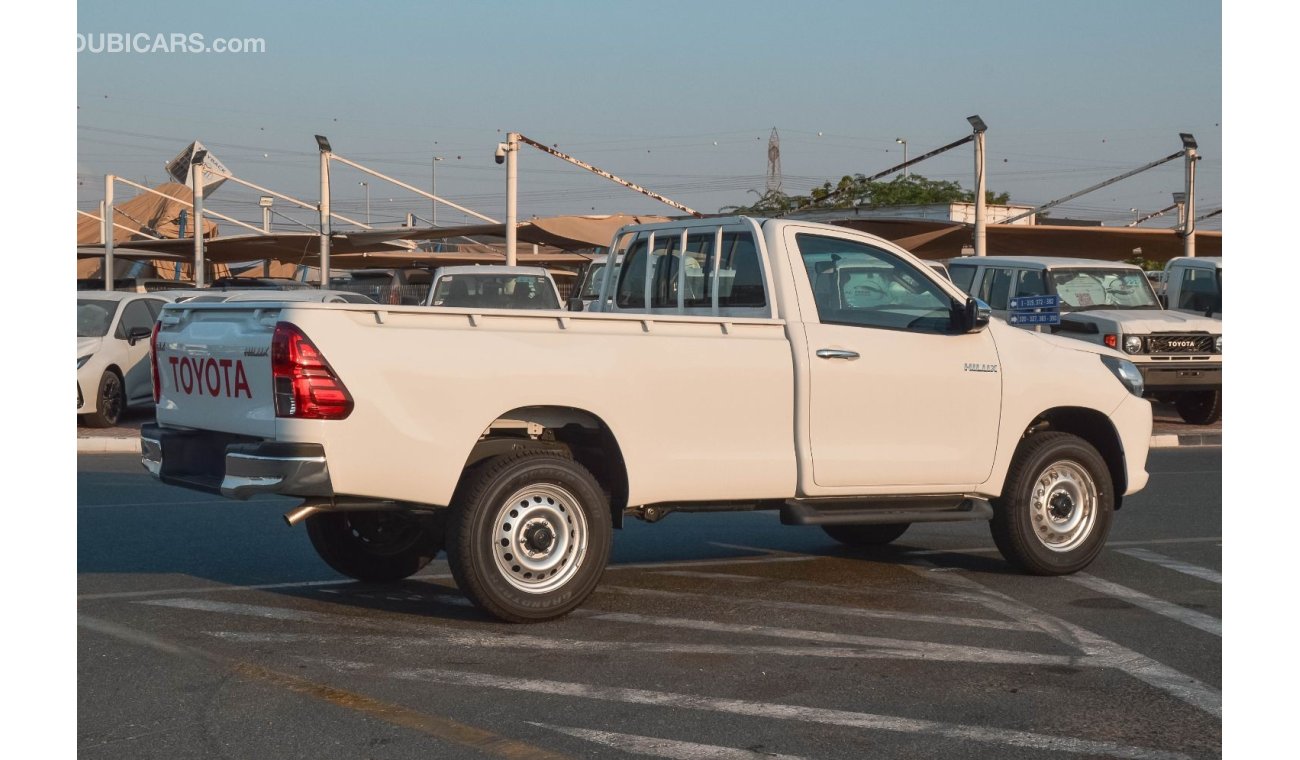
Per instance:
{"type": "Point", "coordinates": [1111, 340]}
{"type": "Point", "coordinates": [153, 362]}
{"type": "Point", "coordinates": [305, 384]}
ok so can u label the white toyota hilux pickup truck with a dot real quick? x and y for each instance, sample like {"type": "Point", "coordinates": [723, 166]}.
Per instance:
{"type": "Point", "coordinates": [734, 364]}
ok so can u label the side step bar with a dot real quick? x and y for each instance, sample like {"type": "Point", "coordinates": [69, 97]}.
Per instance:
{"type": "Point", "coordinates": [909, 509]}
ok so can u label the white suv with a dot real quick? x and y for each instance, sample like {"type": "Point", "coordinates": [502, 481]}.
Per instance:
{"type": "Point", "coordinates": [1179, 354]}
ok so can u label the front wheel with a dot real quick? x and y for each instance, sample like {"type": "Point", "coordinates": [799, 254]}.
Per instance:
{"type": "Point", "coordinates": [110, 402]}
{"type": "Point", "coordinates": [1056, 506]}
{"type": "Point", "coordinates": [529, 536]}
{"type": "Point", "coordinates": [1200, 407]}
{"type": "Point", "coordinates": [377, 547]}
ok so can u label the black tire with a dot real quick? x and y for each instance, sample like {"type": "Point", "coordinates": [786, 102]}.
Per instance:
{"type": "Point", "coordinates": [1032, 524]}
{"type": "Point", "coordinates": [1200, 407]}
{"type": "Point", "coordinates": [537, 503]}
{"type": "Point", "coordinates": [377, 547]}
{"type": "Point", "coordinates": [110, 402]}
{"type": "Point", "coordinates": [866, 535]}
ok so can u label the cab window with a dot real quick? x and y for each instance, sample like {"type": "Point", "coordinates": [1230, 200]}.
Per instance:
{"type": "Point", "coordinates": [962, 276]}
{"type": "Point", "coordinates": [135, 314]}
{"type": "Point", "coordinates": [1031, 282]}
{"type": "Point", "coordinates": [739, 276]}
{"type": "Point", "coordinates": [858, 284]}
{"type": "Point", "coordinates": [996, 288]}
{"type": "Point", "coordinates": [1199, 290]}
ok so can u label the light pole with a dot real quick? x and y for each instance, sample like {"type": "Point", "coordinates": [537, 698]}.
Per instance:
{"type": "Point", "coordinates": [508, 154]}
{"type": "Point", "coordinates": [434, 192]}
{"type": "Point", "coordinates": [903, 142]}
{"type": "Point", "coordinates": [366, 185]}
{"type": "Point", "coordinates": [981, 233]}
{"type": "Point", "coordinates": [107, 232]}
{"type": "Point", "coordinates": [265, 202]}
{"type": "Point", "coordinates": [1189, 202]}
{"type": "Point", "coordinates": [1180, 202]}
{"type": "Point", "coordinates": [1135, 215]}
{"type": "Point", "coordinates": [324, 145]}
{"type": "Point", "coordinates": [196, 172]}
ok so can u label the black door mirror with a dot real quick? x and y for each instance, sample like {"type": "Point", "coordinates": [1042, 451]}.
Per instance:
{"type": "Point", "coordinates": [137, 334]}
{"type": "Point", "coordinates": [575, 304]}
{"type": "Point", "coordinates": [974, 316]}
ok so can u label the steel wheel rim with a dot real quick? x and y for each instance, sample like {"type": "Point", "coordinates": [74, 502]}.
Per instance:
{"type": "Point", "coordinates": [539, 538]}
{"type": "Point", "coordinates": [112, 400]}
{"type": "Point", "coordinates": [1063, 506]}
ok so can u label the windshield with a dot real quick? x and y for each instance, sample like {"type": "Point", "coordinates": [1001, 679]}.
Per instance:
{"type": "Point", "coordinates": [595, 276]}
{"type": "Point", "coordinates": [94, 317]}
{"type": "Point", "coordinates": [1084, 289]}
{"type": "Point", "coordinates": [500, 291]}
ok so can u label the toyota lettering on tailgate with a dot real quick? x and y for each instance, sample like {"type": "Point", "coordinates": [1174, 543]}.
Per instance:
{"type": "Point", "coordinates": [209, 377]}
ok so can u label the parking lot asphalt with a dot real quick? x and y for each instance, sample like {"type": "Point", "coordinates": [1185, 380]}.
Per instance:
{"type": "Point", "coordinates": [1169, 431]}
{"type": "Point", "coordinates": [209, 629]}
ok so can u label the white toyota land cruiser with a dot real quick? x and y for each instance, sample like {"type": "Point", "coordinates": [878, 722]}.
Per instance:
{"type": "Point", "coordinates": [1180, 355]}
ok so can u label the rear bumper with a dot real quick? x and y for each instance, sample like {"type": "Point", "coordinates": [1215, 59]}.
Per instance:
{"type": "Point", "coordinates": [234, 466]}
{"type": "Point", "coordinates": [1181, 376]}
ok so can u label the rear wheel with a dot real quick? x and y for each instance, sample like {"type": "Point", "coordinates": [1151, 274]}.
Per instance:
{"type": "Point", "coordinates": [110, 402]}
{"type": "Point", "coordinates": [1056, 507]}
{"type": "Point", "coordinates": [1200, 407]}
{"type": "Point", "coordinates": [376, 546]}
{"type": "Point", "coordinates": [529, 536]}
{"type": "Point", "coordinates": [866, 535]}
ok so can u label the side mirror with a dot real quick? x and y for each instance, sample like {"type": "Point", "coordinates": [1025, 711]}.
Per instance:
{"type": "Point", "coordinates": [575, 304]}
{"type": "Point", "coordinates": [975, 315]}
{"type": "Point", "coordinates": [138, 334]}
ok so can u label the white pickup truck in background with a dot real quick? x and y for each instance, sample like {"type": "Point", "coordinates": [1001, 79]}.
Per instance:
{"type": "Point", "coordinates": [734, 364]}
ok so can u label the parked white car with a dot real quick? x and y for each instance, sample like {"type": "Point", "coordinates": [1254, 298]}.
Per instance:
{"type": "Point", "coordinates": [113, 331]}
{"type": "Point", "coordinates": [494, 286]}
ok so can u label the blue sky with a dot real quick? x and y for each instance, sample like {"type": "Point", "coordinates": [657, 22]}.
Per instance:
{"type": "Point", "coordinates": [677, 96]}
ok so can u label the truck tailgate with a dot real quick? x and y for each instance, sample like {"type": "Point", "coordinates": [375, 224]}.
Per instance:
{"type": "Point", "coordinates": [214, 366]}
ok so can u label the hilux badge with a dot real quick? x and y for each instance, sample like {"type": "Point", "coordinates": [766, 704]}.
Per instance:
{"type": "Point", "coordinates": [974, 367]}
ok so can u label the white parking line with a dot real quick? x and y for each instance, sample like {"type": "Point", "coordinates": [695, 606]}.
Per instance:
{"type": "Point", "coordinates": [1109, 545]}
{"type": "Point", "coordinates": [430, 577]}
{"type": "Point", "coordinates": [827, 609]}
{"type": "Point", "coordinates": [654, 747]}
{"type": "Point", "coordinates": [250, 587]}
{"type": "Point", "coordinates": [711, 576]}
{"type": "Point", "coordinates": [900, 648]}
{"type": "Point", "coordinates": [476, 640]}
{"type": "Point", "coordinates": [1100, 651]}
{"type": "Point", "coordinates": [1197, 620]}
{"type": "Point", "coordinates": [848, 719]}
{"type": "Point", "coordinates": [247, 610]}
{"type": "Point", "coordinates": [1204, 573]}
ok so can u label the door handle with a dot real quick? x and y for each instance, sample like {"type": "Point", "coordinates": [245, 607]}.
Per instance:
{"type": "Point", "coordinates": [836, 353]}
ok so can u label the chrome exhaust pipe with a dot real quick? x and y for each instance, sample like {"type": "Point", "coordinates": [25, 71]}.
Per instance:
{"type": "Point", "coordinates": [300, 513]}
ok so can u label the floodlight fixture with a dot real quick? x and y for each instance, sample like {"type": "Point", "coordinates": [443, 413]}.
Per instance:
{"type": "Point", "coordinates": [1189, 142]}
{"type": "Point", "coordinates": [977, 123]}
{"type": "Point", "coordinates": [323, 143]}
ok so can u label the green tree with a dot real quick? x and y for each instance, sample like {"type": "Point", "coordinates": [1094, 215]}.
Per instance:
{"type": "Point", "coordinates": [857, 190]}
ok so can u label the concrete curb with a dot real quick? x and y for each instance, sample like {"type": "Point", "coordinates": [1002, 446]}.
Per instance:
{"type": "Point", "coordinates": [107, 445]}
{"type": "Point", "coordinates": [1170, 440]}
{"type": "Point", "coordinates": [111, 445]}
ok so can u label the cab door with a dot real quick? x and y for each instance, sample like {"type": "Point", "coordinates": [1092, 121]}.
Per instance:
{"type": "Point", "coordinates": [897, 397]}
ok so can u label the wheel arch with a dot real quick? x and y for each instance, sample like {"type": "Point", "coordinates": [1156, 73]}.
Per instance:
{"type": "Point", "coordinates": [582, 434]}
{"type": "Point", "coordinates": [1095, 428]}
